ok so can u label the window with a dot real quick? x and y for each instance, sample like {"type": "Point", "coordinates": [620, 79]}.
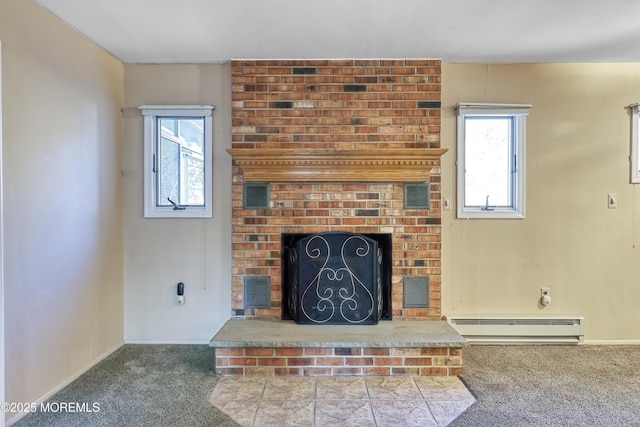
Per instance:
{"type": "Point", "coordinates": [178, 161]}
{"type": "Point", "coordinates": [491, 164]}
{"type": "Point", "coordinates": [635, 144]}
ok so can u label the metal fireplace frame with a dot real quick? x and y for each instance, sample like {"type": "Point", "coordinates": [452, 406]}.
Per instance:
{"type": "Point", "coordinates": [383, 241]}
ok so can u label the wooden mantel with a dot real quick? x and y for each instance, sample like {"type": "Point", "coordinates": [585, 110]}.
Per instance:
{"type": "Point", "coordinates": [318, 165]}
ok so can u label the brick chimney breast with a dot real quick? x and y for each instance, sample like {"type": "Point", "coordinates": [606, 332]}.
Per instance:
{"type": "Point", "coordinates": [356, 115]}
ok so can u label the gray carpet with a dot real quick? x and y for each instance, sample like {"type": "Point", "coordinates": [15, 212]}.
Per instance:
{"type": "Point", "coordinates": [552, 386]}
{"type": "Point", "coordinates": [168, 385]}
{"type": "Point", "coordinates": [142, 385]}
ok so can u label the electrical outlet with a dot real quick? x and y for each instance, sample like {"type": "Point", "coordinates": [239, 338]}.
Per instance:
{"type": "Point", "coordinates": [612, 201]}
{"type": "Point", "coordinates": [544, 291]}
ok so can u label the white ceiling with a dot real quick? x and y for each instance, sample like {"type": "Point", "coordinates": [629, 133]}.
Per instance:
{"type": "Point", "coordinates": [178, 31]}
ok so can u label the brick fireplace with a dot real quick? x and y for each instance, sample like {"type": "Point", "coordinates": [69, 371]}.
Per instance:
{"type": "Point", "coordinates": [336, 146]}
{"type": "Point", "coordinates": [336, 141]}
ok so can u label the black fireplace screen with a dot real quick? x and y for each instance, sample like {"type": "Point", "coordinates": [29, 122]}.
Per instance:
{"type": "Point", "coordinates": [336, 278]}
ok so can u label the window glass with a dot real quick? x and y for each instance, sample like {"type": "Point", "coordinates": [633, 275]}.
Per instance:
{"type": "Point", "coordinates": [168, 172]}
{"type": "Point", "coordinates": [178, 161]}
{"type": "Point", "coordinates": [487, 161]}
{"type": "Point", "coordinates": [181, 166]}
{"type": "Point", "coordinates": [491, 155]}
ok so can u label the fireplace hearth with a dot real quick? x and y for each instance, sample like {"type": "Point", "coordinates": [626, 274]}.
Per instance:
{"type": "Point", "coordinates": [337, 278]}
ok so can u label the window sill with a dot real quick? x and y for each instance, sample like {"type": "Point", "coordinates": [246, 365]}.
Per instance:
{"type": "Point", "coordinates": [494, 214]}
{"type": "Point", "coordinates": [177, 213]}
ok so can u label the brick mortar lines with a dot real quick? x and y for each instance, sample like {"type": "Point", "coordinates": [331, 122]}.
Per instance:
{"type": "Point", "coordinates": [342, 105]}
{"type": "Point", "coordinates": [394, 359]}
{"type": "Point", "coordinates": [342, 371]}
{"type": "Point", "coordinates": [352, 361]}
{"type": "Point", "coordinates": [378, 107]}
{"type": "Point", "coordinates": [339, 371]}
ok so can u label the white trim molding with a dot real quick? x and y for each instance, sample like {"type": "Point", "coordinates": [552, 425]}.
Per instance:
{"type": "Point", "coordinates": [635, 144]}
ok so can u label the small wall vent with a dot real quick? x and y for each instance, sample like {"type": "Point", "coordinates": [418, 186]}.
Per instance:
{"type": "Point", "coordinates": [257, 292]}
{"type": "Point", "coordinates": [256, 196]}
{"type": "Point", "coordinates": [417, 196]}
{"type": "Point", "coordinates": [416, 292]}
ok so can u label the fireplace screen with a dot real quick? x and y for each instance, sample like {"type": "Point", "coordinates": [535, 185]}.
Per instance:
{"type": "Point", "coordinates": [335, 278]}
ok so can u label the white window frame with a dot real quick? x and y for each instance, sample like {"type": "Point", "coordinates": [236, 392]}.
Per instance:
{"type": "Point", "coordinates": [151, 113]}
{"type": "Point", "coordinates": [635, 144]}
{"type": "Point", "coordinates": [518, 113]}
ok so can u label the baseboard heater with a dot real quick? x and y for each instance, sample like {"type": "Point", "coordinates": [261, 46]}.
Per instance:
{"type": "Point", "coordinates": [486, 329]}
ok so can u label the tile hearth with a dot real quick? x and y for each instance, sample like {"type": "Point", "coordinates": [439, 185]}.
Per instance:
{"type": "Point", "coordinates": [341, 401]}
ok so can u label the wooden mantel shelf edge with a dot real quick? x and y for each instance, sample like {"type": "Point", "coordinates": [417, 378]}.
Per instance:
{"type": "Point", "coordinates": [317, 165]}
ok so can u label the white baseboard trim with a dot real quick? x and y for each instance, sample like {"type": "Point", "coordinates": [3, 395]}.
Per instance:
{"type": "Point", "coordinates": [166, 341]}
{"type": "Point", "coordinates": [65, 383]}
{"type": "Point", "coordinates": [611, 342]}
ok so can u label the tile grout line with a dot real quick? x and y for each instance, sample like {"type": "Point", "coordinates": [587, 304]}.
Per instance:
{"type": "Point", "coordinates": [255, 414]}
{"type": "Point", "coordinates": [373, 414]}
{"type": "Point", "coordinates": [426, 402]}
{"type": "Point", "coordinates": [315, 401]}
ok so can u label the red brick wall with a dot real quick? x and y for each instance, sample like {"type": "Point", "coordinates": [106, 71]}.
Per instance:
{"type": "Point", "coordinates": [336, 104]}
{"type": "Point", "coordinates": [315, 361]}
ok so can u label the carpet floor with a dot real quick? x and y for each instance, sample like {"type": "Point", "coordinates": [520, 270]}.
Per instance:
{"type": "Point", "coordinates": [552, 386]}
{"type": "Point", "coordinates": [142, 385]}
{"type": "Point", "coordinates": [169, 385]}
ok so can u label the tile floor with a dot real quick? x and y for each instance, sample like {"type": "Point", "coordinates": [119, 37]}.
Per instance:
{"type": "Point", "coordinates": [342, 401]}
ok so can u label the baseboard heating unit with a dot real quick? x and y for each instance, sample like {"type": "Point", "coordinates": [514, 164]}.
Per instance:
{"type": "Point", "coordinates": [488, 329]}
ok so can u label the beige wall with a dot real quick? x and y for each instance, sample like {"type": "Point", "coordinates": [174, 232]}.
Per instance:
{"type": "Point", "coordinates": [159, 253]}
{"type": "Point", "coordinates": [577, 152]}
{"type": "Point", "coordinates": [577, 147]}
{"type": "Point", "coordinates": [62, 201]}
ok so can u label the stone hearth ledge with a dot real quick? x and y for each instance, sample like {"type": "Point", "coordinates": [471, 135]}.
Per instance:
{"type": "Point", "coordinates": [386, 334]}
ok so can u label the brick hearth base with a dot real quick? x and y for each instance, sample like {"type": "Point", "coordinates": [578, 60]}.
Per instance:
{"type": "Point", "coordinates": [256, 347]}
